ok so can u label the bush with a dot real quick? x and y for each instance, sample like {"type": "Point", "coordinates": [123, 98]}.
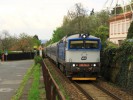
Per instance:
{"type": "Point", "coordinates": [37, 59]}
{"type": "Point", "coordinates": [125, 51]}
{"type": "Point", "coordinates": [117, 64]}
{"type": "Point", "coordinates": [125, 56]}
{"type": "Point", "coordinates": [107, 60]}
{"type": "Point", "coordinates": [130, 31]}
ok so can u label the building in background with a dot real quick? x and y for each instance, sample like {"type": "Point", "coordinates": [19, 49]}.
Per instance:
{"type": "Point", "coordinates": [118, 27]}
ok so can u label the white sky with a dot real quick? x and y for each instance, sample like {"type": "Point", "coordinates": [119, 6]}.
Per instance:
{"type": "Point", "coordinates": [38, 17]}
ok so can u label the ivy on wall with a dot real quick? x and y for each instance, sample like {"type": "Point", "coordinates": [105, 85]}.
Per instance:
{"type": "Point", "coordinates": [120, 58]}
{"type": "Point", "coordinates": [107, 57]}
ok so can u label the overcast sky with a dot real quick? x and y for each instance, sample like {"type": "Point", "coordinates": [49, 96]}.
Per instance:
{"type": "Point", "coordinates": [39, 17]}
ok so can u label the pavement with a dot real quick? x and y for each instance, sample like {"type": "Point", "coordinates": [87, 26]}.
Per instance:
{"type": "Point", "coordinates": [11, 75]}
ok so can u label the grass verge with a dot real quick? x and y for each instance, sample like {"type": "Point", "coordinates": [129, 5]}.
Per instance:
{"type": "Point", "coordinates": [22, 85]}
{"type": "Point", "coordinates": [34, 92]}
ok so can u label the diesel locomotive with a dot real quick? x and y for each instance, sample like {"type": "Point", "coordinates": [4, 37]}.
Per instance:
{"type": "Point", "coordinates": [77, 56]}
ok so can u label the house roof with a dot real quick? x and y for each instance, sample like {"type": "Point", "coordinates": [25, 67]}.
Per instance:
{"type": "Point", "coordinates": [121, 16]}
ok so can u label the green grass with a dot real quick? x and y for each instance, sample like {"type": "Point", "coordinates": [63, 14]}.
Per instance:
{"type": "Point", "coordinates": [42, 91]}
{"type": "Point", "coordinates": [22, 85]}
{"type": "Point", "coordinates": [34, 93]}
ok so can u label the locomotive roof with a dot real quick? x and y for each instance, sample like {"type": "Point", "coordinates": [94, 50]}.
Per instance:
{"type": "Point", "coordinates": [77, 36]}
{"type": "Point", "coordinates": [72, 37]}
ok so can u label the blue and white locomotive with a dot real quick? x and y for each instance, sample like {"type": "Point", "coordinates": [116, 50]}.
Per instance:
{"type": "Point", "coordinates": [77, 56]}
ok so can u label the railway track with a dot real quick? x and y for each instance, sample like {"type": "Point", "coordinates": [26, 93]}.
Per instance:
{"type": "Point", "coordinates": [82, 91]}
{"type": "Point", "coordinates": [69, 87]}
{"type": "Point", "coordinates": [95, 92]}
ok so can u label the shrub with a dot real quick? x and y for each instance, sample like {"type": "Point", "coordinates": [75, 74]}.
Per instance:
{"type": "Point", "coordinates": [107, 60]}
{"type": "Point", "coordinates": [37, 59]}
{"type": "Point", "coordinates": [125, 51]}
{"type": "Point", "coordinates": [130, 31]}
{"type": "Point", "coordinates": [125, 56]}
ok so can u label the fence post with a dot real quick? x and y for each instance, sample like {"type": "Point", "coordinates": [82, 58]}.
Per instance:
{"type": "Point", "coordinates": [54, 93]}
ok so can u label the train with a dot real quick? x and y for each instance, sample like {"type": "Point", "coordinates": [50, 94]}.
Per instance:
{"type": "Point", "coordinates": [77, 56]}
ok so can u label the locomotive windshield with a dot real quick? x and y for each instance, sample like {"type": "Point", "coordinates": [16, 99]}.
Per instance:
{"type": "Point", "coordinates": [91, 44]}
{"type": "Point", "coordinates": [76, 44]}
{"type": "Point", "coordinates": [83, 44]}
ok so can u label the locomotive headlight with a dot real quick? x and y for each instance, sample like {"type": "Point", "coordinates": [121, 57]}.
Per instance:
{"type": "Point", "coordinates": [73, 65]}
{"type": "Point", "coordinates": [94, 65]}
{"type": "Point", "coordinates": [84, 36]}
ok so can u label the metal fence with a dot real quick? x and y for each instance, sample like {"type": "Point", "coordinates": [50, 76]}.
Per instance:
{"type": "Point", "coordinates": [18, 56]}
{"type": "Point", "coordinates": [52, 90]}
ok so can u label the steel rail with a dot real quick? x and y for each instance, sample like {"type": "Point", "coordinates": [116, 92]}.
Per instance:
{"type": "Point", "coordinates": [84, 92]}
{"type": "Point", "coordinates": [66, 79]}
{"type": "Point", "coordinates": [106, 91]}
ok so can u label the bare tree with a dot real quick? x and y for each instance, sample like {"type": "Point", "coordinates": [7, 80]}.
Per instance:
{"type": "Point", "coordinates": [0, 42]}
{"type": "Point", "coordinates": [77, 17]}
{"type": "Point", "coordinates": [25, 42]}
{"type": "Point", "coordinates": [78, 11]}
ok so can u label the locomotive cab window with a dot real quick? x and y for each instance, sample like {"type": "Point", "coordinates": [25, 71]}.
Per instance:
{"type": "Point", "coordinates": [91, 44]}
{"type": "Point", "coordinates": [76, 44]}
{"type": "Point", "coordinates": [84, 44]}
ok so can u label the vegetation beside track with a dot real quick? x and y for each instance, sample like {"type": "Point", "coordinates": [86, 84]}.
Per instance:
{"type": "Point", "coordinates": [23, 83]}
{"type": "Point", "coordinates": [57, 79]}
{"type": "Point", "coordinates": [34, 92]}
{"type": "Point", "coordinates": [117, 64]}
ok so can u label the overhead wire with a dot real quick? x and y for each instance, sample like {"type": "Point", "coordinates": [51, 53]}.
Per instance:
{"type": "Point", "coordinates": [124, 9]}
{"type": "Point", "coordinates": [109, 8]}
{"type": "Point", "coordinates": [111, 3]}
{"type": "Point", "coordinates": [105, 3]}
{"type": "Point", "coordinates": [116, 5]}
{"type": "Point", "coordinates": [123, 4]}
